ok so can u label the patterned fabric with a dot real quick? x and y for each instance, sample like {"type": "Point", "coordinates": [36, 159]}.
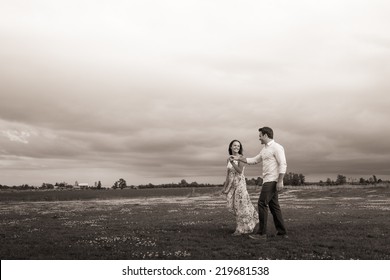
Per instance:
{"type": "Point", "coordinates": [239, 203]}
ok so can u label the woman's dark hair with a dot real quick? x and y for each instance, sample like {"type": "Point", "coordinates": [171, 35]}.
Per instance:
{"type": "Point", "coordinates": [230, 147]}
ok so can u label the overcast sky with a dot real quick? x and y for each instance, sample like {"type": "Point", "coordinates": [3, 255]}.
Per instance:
{"type": "Point", "coordinates": [153, 91]}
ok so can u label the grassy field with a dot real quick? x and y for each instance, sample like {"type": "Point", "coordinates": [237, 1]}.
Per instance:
{"type": "Point", "coordinates": [323, 223]}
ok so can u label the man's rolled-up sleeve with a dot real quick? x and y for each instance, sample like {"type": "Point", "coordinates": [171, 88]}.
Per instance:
{"type": "Point", "coordinates": [254, 160]}
{"type": "Point", "coordinates": [281, 159]}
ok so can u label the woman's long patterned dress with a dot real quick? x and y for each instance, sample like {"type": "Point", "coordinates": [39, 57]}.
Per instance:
{"type": "Point", "coordinates": [239, 203]}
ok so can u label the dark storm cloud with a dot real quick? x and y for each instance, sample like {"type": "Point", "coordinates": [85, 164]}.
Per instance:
{"type": "Point", "coordinates": [117, 94]}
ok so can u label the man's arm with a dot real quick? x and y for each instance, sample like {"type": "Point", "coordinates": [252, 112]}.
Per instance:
{"type": "Point", "coordinates": [279, 184]}
{"type": "Point", "coordinates": [254, 160]}
{"type": "Point", "coordinates": [282, 166]}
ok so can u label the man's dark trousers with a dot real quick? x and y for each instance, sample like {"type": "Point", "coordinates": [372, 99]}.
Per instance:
{"type": "Point", "coordinates": [269, 198]}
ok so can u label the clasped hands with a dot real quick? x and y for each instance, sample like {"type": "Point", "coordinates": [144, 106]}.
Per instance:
{"type": "Point", "coordinates": [231, 158]}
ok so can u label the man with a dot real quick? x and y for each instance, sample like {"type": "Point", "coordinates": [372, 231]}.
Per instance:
{"type": "Point", "coordinates": [274, 168]}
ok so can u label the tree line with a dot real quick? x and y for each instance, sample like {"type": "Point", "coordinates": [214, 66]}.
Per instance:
{"type": "Point", "coordinates": [121, 184]}
{"type": "Point", "coordinates": [290, 179]}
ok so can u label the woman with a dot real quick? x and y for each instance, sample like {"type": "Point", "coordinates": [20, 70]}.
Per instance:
{"type": "Point", "coordinates": [238, 200]}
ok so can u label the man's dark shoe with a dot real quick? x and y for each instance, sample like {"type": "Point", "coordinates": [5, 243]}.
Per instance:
{"type": "Point", "coordinates": [282, 235]}
{"type": "Point", "coordinates": [260, 237]}
{"type": "Point", "coordinates": [278, 236]}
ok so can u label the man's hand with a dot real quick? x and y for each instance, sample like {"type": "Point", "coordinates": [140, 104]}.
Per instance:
{"type": "Point", "coordinates": [239, 157]}
{"type": "Point", "coordinates": [279, 187]}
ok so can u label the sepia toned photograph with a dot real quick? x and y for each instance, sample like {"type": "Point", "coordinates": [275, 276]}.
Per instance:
{"type": "Point", "coordinates": [194, 130]}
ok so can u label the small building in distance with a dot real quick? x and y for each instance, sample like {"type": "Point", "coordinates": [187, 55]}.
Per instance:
{"type": "Point", "coordinates": [81, 185]}
{"type": "Point", "coordinates": [84, 185]}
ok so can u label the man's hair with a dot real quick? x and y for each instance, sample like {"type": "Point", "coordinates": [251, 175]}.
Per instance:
{"type": "Point", "coordinates": [267, 130]}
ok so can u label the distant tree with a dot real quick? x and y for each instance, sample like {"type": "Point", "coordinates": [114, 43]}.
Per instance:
{"type": "Point", "coordinates": [375, 179]}
{"type": "Point", "coordinates": [302, 179]}
{"type": "Point", "coordinates": [341, 180]}
{"type": "Point", "coordinates": [250, 182]}
{"type": "Point", "coordinates": [287, 180]}
{"type": "Point", "coordinates": [23, 187]}
{"type": "Point", "coordinates": [122, 183]}
{"type": "Point", "coordinates": [99, 185]}
{"type": "Point", "coordinates": [183, 183]}
{"type": "Point", "coordinates": [294, 179]}
{"type": "Point", "coordinates": [362, 181]}
{"type": "Point", "coordinates": [259, 181]}
{"type": "Point", "coordinates": [63, 185]}
{"type": "Point", "coordinates": [47, 186]}
{"type": "Point", "coordinates": [329, 182]}
{"type": "Point", "coordinates": [352, 181]}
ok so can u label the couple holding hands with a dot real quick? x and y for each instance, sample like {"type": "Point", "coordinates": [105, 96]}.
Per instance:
{"type": "Point", "coordinates": [238, 201]}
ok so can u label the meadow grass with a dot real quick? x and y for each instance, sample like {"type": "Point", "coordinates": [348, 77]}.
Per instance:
{"type": "Point", "coordinates": [323, 223]}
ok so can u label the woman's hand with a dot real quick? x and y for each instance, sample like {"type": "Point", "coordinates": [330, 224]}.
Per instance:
{"type": "Point", "coordinates": [230, 159]}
